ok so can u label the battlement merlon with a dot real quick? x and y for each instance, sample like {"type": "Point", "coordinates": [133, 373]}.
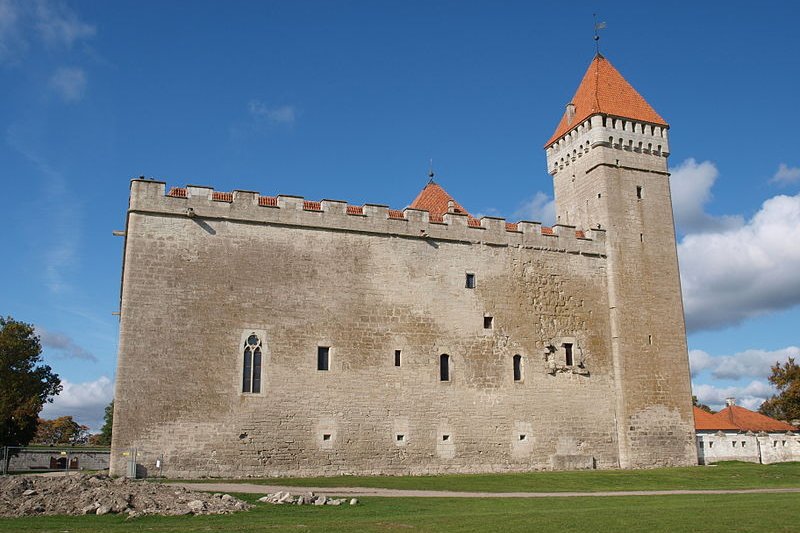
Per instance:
{"type": "Point", "coordinates": [625, 136]}
{"type": "Point", "coordinates": [203, 203]}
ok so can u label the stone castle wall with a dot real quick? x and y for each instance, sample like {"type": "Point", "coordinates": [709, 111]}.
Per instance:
{"type": "Point", "coordinates": [365, 281]}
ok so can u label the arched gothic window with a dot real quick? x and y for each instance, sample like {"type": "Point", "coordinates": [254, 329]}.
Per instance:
{"type": "Point", "coordinates": [251, 369]}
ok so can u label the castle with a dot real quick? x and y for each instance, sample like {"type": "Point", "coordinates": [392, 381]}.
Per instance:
{"type": "Point", "coordinates": [268, 336]}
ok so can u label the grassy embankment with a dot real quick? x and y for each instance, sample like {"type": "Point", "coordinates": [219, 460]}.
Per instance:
{"type": "Point", "coordinates": [733, 475]}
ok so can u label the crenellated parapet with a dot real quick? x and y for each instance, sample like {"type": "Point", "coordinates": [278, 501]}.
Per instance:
{"type": "Point", "coordinates": [621, 134]}
{"type": "Point", "coordinates": [204, 203]}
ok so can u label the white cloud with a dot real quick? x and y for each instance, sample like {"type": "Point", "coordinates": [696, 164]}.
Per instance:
{"type": "Point", "coordinates": [786, 174]}
{"type": "Point", "coordinates": [691, 184]}
{"type": "Point", "coordinates": [69, 83]}
{"type": "Point", "coordinates": [279, 115]}
{"type": "Point", "coordinates": [85, 402]}
{"type": "Point", "coordinates": [48, 22]}
{"type": "Point", "coordinates": [750, 396]}
{"type": "Point", "coordinates": [734, 274]}
{"type": "Point", "coordinates": [60, 26]}
{"type": "Point", "coordinates": [64, 345]}
{"type": "Point", "coordinates": [747, 364]}
{"type": "Point", "coordinates": [539, 208]}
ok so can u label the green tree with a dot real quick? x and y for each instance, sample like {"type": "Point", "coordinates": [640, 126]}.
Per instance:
{"type": "Point", "coordinates": [699, 405]}
{"type": "Point", "coordinates": [786, 404]}
{"type": "Point", "coordinates": [25, 384]}
{"type": "Point", "coordinates": [62, 430]}
{"type": "Point", "coordinates": [104, 438]}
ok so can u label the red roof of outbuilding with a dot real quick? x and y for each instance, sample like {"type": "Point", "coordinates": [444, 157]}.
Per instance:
{"type": "Point", "coordinates": [603, 90]}
{"type": "Point", "coordinates": [703, 420]}
{"type": "Point", "coordinates": [747, 420]}
{"type": "Point", "coordinates": [434, 199]}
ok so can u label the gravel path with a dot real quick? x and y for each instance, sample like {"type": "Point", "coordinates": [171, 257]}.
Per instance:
{"type": "Point", "coordinates": [396, 493]}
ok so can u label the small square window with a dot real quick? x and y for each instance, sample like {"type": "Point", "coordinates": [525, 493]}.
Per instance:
{"type": "Point", "coordinates": [445, 438]}
{"type": "Point", "coordinates": [397, 358]}
{"type": "Point", "coordinates": [522, 436]}
{"type": "Point", "coordinates": [326, 436]}
{"type": "Point", "coordinates": [710, 444]}
{"type": "Point", "coordinates": [323, 357]}
{"type": "Point", "coordinates": [487, 322]}
{"type": "Point", "coordinates": [400, 437]}
{"type": "Point", "coordinates": [470, 284]}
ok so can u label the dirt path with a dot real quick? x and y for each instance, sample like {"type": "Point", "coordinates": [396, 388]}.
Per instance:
{"type": "Point", "coordinates": [396, 493]}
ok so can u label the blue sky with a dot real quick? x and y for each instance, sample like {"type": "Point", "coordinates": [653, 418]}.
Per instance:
{"type": "Point", "coordinates": [349, 100]}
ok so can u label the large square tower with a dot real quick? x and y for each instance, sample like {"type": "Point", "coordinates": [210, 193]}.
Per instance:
{"type": "Point", "coordinates": [608, 158]}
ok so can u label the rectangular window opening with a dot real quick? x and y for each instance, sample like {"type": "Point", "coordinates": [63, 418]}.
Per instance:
{"type": "Point", "coordinates": [470, 283]}
{"type": "Point", "coordinates": [445, 438]}
{"type": "Point", "coordinates": [649, 339]}
{"type": "Point", "coordinates": [400, 437]}
{"type": "Point", "coordinates": [326, 436]}
{"type": "Point", "coordinates": [639, 192]}
{"type": "Point", "coordinates": [487, 322]}
{"type": "Point", "coordinates": [522, 436]}
{"type": "Point", "coordinates": [323, 357]}
{"type": "Point", "coordinates": [444, 367]}
{"type": "Point", "coordinates": [397, 358]}
{"type": "Point", "coordinates": [568, 358]}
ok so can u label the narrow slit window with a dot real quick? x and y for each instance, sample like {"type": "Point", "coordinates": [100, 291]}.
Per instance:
{"type": "Point", "coordinates": [470, 281]}
{"type": "Point", "coordinates": [323, 357]}
{"type": "Point", "coordinates": [517, 367]}
{"type": "Point", "coordinates": [568, 357]}
{"type": "Point", "coordinates": [488, 322]}
{"type": "Point", "coordinates": [639, 192]}
{"type": "Point", "coordinates": [251, 365]}
{"type": "Point", "coordinates": [397, 358]}
{"type": "Point", "coordinates": [444, 367]}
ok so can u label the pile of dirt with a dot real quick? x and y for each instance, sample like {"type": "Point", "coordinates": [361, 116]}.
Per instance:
{"type": "Point", "coordinates": [100, 494]}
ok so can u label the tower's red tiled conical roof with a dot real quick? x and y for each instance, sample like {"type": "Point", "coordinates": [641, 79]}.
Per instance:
{"type": "Point", "coordinates": [435, 200]}
{"type": "Point", "coordinates": [603, 90]}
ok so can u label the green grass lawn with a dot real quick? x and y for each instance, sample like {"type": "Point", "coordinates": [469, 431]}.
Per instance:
{"type": "Point", "coordinates": [732, 475]}
{"type": "Point", "coordinates": [711, 513]}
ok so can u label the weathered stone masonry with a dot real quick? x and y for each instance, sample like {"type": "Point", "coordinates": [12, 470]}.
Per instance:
{"type": "Point", "coordinates": [203, 270]}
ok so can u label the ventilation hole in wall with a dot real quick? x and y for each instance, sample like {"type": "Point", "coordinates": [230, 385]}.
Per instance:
{"type": "Point", "coordinates": [326, 436]}
{"type": "Point", "coordinates": [400, 437]}
{"type": "Point", "coordinates": [445, 438]}
{"type": "Point", "coordinates": [487, 322]}
{"type": "Point", "coordinates": [599, 195]}
{"type": "Point", "coordinates": [242, 435]}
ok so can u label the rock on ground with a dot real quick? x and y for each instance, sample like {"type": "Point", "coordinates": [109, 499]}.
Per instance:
{"type": "Point", "coordinates": [100, 494]}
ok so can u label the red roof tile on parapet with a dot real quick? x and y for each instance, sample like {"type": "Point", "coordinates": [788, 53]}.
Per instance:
{"type": "Point", "coordinates": [747, 420]}
{"type": "Point", "coordinates": [604, 91]}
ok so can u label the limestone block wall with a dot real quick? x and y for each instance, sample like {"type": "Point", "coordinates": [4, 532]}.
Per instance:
{"type": "Point", "coordinates": [765, 448]}
{"type": "Point", "coordinates": [364, 281]}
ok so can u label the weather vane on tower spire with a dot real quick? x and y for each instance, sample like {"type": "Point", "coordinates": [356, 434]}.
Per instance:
{"type": "Point", "coordinates": [597, 27]}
